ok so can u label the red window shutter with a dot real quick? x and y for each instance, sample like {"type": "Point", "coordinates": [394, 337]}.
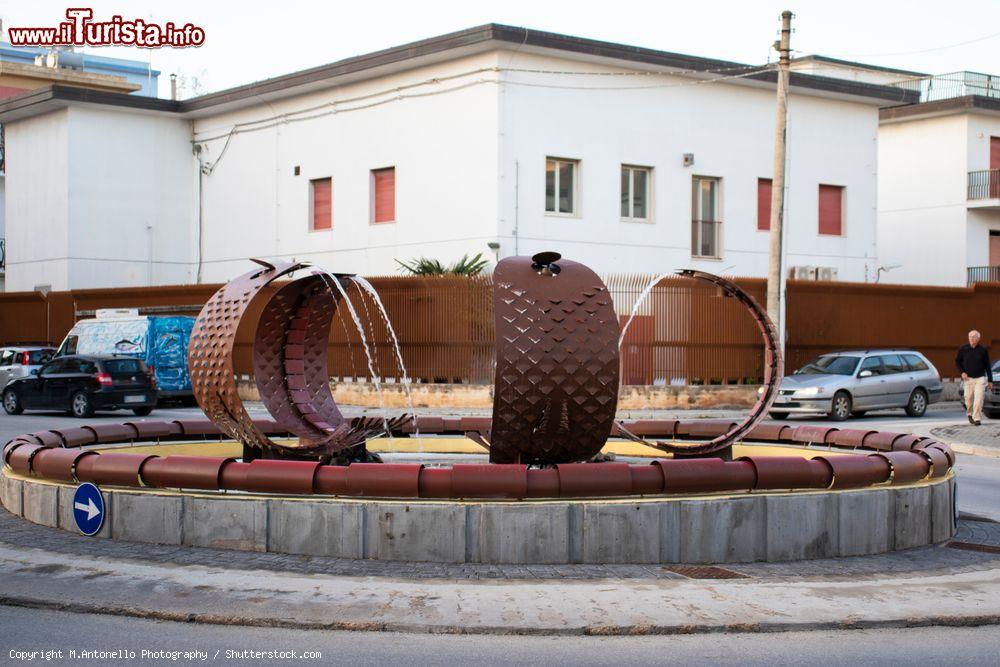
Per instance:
{"type": "Point", "coordinates": [994, 152]}
{"type": "Point", "coordinates": [385, 194]}
{"type": "Point", "coordinates": [763, 204]}
{"type": "Point", "coordinates": [831, 200]}
{"type": "Point", "coordinates": [322, 203]}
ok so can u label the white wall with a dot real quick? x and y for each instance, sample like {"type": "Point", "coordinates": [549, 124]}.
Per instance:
{"type": "Point", "coordinates": [131, 199]}
{"type": "Point", "coordinates": [925, 221]}
{"type": "Point", "coordinates": [37, 202]}
{"type": "Point", "coordinates": [443, 147]}
{"type": "Point", "coordinates": [730, 131]}
{"type": "Point", "coordinates": [845, 71]}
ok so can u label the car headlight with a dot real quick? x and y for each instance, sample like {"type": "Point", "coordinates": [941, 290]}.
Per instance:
{"type": "Point", "coordinates": [809, 391]}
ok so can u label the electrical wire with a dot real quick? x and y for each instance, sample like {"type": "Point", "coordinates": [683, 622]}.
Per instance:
{"type": "Point", "coordinates": [928, 50]}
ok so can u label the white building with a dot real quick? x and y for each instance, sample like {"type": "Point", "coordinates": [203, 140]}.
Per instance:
{"type": "Point", "coordinates": [939, 183]}
{"type": "Point", "coordinates": [627, 159]}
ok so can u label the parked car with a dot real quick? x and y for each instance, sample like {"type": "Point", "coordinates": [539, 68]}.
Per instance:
{"type": "Point", "coordinates": [160, 341]}
{"type": "Point", "coordinates": [842, 384]}
{"type": "Point", "coordinates": [991, 400]}
{"type": "Point", "coordinates": [82, 384]}
{"type": "Point", "coordinates": [18, 361]}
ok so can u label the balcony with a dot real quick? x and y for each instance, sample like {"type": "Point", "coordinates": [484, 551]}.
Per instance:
{"type": "Point", "coordinates": [954, 84]}
{"type": "Point", "coordinates": [983, 190]}
{"type": "Point", "coordinates": [983, 274]}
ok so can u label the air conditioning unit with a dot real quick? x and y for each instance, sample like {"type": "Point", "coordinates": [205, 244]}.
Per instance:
{"type": "Point", "coordinates": [802, 273]}
{"type": "Point", "coordinates": [827, 273]}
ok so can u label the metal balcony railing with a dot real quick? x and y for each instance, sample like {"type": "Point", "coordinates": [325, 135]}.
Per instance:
{"type": "Point", "coordinates": [983, 274]}
{"type": "Point", "coordinates": [3, 254]}
{"type": "Point", "coordinates": [951, 85]}
{"type": "Point", "coordinates": [984, 184]}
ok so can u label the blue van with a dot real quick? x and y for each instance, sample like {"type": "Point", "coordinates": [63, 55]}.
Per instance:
{"type": "Point", "coordinates": [160, 341]}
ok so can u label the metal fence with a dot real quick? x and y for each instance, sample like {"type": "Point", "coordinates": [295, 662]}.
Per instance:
{"type": "Point", "coordinates": [983, 274]}
{"type": "Point", "coordinates": [683, 332]}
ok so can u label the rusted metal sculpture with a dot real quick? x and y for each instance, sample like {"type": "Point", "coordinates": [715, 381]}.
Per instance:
{"type": "Point", "coordinates": [289, 359]}
{"type": "Point", "coordinates": [557, 361]}
{"type": "Point", "coordinates": [722, 444]}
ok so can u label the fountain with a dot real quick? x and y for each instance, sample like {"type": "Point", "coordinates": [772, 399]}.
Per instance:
{"type": "Point", "coordinates": [698, 491]}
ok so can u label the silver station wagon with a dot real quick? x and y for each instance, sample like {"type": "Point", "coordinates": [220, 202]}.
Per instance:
{"type": "Point", "coordinates": [842, 384]}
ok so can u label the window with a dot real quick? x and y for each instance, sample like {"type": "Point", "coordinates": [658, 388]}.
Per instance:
{"type": "Point", "coordinates": [560, 186]}
{"type": "Point", "coordinates": [831, 218]}
{"type": "Point", "coordinates": [124, 366]}
{"type": "Point", "coordinates": [705, 222]}
{"type": "Point", "coordinates": [635, 193]}
{"type": "Point", "coordinates": [54, 367]}
{"type": "Point", "coordinates": [384, 195]}
{"type": "Point", "coordinates": [6, 357]}
{"type": "Point", "coordinates": [894, 364]}
{"type": "Point", "coordinates": [873, 364]}
{"type": "Point", "coordinates": [915, 363]}
{"type": "Point", "coordinates": [321, 203]}
{"type": "Point", "coordinates": [763, 204]}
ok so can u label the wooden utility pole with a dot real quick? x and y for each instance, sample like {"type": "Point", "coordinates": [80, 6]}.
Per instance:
{"type": "Point", "coordinates": [774, 270]}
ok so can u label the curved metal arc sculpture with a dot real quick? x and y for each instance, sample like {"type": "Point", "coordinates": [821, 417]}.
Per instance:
{"type": "Point", "coordinates": [773, 367]}
{"type": "Point", "coordinates": [289, 362]}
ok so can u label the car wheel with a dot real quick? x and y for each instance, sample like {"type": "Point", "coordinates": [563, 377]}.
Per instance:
{"type": "Point", "coordinates": [12, 402]}
{"type": "Point", "coordinates": [840, 407]}
{"type": "Point", "coordinates": [81, 406]}
{"type": "Point", "coordinates": [917, 405]}
{"type": "Point", "coordinates": [778, 415]}
{"type": "Point", "coordinates": [141, 412]}
{"type": "Point", "coordinates": [859, 413]}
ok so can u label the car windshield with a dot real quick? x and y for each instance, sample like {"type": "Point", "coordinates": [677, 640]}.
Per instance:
{"type": "Point", "coordinates": [36, 357]}
{"type": "Point", "coordinates": [830, 365]}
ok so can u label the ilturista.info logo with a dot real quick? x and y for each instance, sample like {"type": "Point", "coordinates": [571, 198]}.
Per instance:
{"type": "Point", "coordinates": [82, 30]}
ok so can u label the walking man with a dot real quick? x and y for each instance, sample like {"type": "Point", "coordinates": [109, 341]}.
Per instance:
{"type": "Point", "coordinates": [973, 363]}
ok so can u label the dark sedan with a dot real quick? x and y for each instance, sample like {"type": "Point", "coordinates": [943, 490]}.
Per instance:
{"type": "Point", "coordinates": [82, 384]}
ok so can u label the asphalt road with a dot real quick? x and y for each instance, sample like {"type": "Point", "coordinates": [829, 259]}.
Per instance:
{"type": "Point", "coordinates": [26, 630]}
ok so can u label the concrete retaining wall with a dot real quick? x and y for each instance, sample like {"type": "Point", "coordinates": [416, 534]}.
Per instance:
{"type": "Point", "coordinates": [729, 529]}
{"type": "Point", "coordinates": [464, 396]}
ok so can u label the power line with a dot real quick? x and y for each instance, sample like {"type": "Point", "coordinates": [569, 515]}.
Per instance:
{"type": "Point", "coordinates": [928, 50]}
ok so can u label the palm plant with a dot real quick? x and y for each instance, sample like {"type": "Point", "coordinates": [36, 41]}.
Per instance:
{"type": "Point", "coordinates": [423, 266]}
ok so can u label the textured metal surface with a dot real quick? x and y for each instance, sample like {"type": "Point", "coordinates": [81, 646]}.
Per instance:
{"type": "Point", "coordinates": [290, 364]}
{"type": "Point", "coordinates": [556, 387]}
{"type": "Point", "coordinates": [772, 375]}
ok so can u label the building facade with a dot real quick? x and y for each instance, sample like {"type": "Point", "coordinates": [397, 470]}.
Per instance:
{"type": "Point", "coordinates": [494, 139]}
{"type": "Point", "coordinates": [939, 183]}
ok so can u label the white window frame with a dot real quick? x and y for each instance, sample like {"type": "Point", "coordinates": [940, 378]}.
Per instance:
{"type": "Point", "coordinates": [631, 195]}
{"type": "Point", "coordinates": [575, 195]}
{"type": "Point", "coordinates": [718, 218]}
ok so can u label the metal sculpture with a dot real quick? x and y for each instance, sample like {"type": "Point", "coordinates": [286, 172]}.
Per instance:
{"type": "Point", "coordinates": [722, 443]}
{"type": "Point", "coordinates": [289, 359]}
{"type": "Point", "coordinates": [557, 361]}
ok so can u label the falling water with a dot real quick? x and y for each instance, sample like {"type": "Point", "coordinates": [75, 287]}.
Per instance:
{"type": "Point", "coordinates": [368, 287]}
{"type": "Point", "coordinates": [332, 281]}
{"type": "Point", "coordinates": [638, 302]}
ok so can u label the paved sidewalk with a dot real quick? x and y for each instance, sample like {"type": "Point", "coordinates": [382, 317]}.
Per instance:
{"type": "Point", "coordinates": [42, 567]}
{"type": "Point", "coordinates": [968, 439]}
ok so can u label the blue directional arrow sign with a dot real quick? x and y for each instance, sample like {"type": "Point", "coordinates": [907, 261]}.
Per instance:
{"type": "Point", "coordinates": [88, 509]}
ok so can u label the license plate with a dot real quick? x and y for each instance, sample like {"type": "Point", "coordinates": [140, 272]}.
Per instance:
{"type": "Point", "coordinates": [782, 399]}
{"type": "Point", "coordinates": [137, 398]}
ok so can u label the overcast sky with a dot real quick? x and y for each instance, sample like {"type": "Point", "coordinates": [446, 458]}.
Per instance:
{"type": "Point", "coordinates": [267, 39]}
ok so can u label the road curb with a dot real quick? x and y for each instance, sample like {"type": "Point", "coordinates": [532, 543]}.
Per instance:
{"type": "Point", "coordinates": [975, 450]}
{"type": "Point", "coordinates": [974, 620]}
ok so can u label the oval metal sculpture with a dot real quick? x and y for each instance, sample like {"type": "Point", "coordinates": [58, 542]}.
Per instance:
{"type": "Point", "coordinates": [557, 365]}
{"type": "Point", "coordinates": [556, 387]}
{"type": "Point", "coordinates": [289, 361]}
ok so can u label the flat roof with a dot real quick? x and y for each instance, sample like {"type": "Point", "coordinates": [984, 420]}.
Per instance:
{"type": "Point", "coordinates": [441, 48]}
{"type": "Point", "coordinates": [946, 107]}
{"type": "Point", "coordinates": [857, 65]}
